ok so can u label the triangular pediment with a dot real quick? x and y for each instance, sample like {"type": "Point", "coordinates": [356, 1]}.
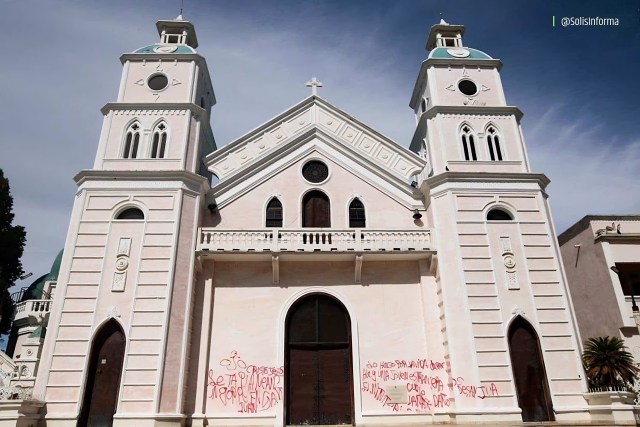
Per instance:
{"type": "Point", "coordinates": [292, 128]}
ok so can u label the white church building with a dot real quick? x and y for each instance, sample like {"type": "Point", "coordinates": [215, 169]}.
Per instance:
{"type": "Point", "coordinates": [326, 275]}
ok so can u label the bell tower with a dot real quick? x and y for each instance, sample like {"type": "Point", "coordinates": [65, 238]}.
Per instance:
{"type": "Point", "coordinates": [499, 256]}
{"type": "Point", "coordinates": [456, 80]}
{"type": "Point", "coordinates": [160, 120]}
{"type": "Point", "coordinates": [128, 271]}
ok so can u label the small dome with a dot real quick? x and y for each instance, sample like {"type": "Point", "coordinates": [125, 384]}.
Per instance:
{"type": "Point", "coordinates": [166, 48]}
{"type": "Point", "coordinates": [458, 53]}
{"type": "Point", "coordinates": [36, 289]}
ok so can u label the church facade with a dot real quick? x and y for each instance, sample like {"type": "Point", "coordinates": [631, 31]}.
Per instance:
{"type": "Point", "coordinates": [329, 276]}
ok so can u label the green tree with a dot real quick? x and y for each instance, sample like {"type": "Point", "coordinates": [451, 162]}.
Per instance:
{"type": "Point", "coordinates": [608, 363]}
{"type": "Point", "coordinates": [12, 240]}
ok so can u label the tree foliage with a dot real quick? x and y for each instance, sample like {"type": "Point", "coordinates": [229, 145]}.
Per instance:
{"type": "Point", "coordinates": [608, 363]}
{"type": "Point", "coordinates": [12, 240]}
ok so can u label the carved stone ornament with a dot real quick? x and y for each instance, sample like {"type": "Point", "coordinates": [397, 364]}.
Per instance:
{"type": "Point", "coordinates": [113, 313]}
{"type": "Point", "coordinates": [517, 311]}
{"type": "Point", "coordinates": [121, 265]}
{"type": "Point", "coordinates": [609, 229]}
{"type": "Point", "coordinates": [509, 260]}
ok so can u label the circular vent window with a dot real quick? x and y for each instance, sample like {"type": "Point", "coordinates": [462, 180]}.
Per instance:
{"type": "Point", "coordinates": [157, 82]}
{"type": "Point", "coordinates": [315, 171]}
{"type": "Point", "coordinates": [467, 87]}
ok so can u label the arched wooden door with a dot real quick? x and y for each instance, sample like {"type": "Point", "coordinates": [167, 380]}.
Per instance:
{"type": "Point", "coordinates": [318, 367]}
{"type": "Point", "coordinates": [316, 210]}
{"type": "Point", "coordinates": [103, 378]}
{"type": "Point", "coordinates": [529, 374]}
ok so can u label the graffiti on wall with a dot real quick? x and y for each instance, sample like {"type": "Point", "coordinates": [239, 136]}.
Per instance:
{"type": "Point", "coordinates": [422, 386]}
{"type": "Point", "coordinates": [426, 385]}
{"type": "Point", "coordinates": [246, 388]}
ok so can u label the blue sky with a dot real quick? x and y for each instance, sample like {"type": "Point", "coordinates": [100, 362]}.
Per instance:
{"type": "Point", "coordinates": [578, 86]}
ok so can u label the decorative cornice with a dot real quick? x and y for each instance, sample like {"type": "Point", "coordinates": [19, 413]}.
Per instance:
{"type": "Point", "coordinates": [313, 116]}
{"type": "Point", "coordinates": [510, 177]}
{"type": "Point", "coordinates": [618, 238]}
{"type": "Point", "coordinates": [473, 110]}
{"type": "Point", "coordinates": [142, 108]}
{"type": "Point", "coordinates": [584, 222]}
{"type": "Point", "coordinates": [258, 168]}
{"type": "Point", "coordinates": [183, 57]}
{"type": "Point", "coordinates": [86, 175]}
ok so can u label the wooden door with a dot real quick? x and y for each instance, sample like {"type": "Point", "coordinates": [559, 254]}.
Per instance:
{"type": "Point", "coordinates": [316, 210]}
{"type": "Point", "coordinates": [529, 374]}
{"type": "Point", "coordinates": [318, 363]}
{"type": "Point", "coordinates": [103, 379]}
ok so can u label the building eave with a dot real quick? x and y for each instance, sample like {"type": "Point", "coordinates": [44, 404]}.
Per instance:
{"type": "Point", "coordinates": [87, 175]}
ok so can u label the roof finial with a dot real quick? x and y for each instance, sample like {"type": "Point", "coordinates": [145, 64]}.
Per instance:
{"type": "Point", "coordinates": [180, 18]}
{"type": "Point", "coordinates": [314, 84]}
{"type": "Point", "coordinates": [442, 21]}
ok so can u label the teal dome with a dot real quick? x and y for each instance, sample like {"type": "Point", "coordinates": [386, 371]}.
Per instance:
{"type": "Point", "coordinates": [36, 289]}
{"type": "Point", "coordinates": [180, 48]}
{"type": "Point", "coordinates": [443, 53]}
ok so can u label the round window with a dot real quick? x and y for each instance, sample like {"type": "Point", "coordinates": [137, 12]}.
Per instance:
{"type": "Point", "coordinates": [158, 82]}
{"type": "Point", "coordinates": [315, 171]}
{"type": "Point", "coordinates": [467, 87]}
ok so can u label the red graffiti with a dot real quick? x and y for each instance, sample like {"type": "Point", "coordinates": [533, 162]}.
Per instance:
{"type": "Point", "coordinates": [479, 392]}
{"type": "Point", "coordinates": [249, 388]}
{"type": "Point", "coordinates": [425, 389]}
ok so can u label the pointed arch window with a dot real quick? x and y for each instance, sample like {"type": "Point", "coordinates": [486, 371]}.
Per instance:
{"type": "Point", "coordinates": [131, 141]}
{"type": "Point", "coordinates": [159, 141]}
{"type": "Point", "coordinates": [493, 140]}
{"type": "Point", "coordinates": [357, 217]}
{"type": "Point", "coordinates": [274, 213]}
{"type": "Point", "coordinates": [468, 143]}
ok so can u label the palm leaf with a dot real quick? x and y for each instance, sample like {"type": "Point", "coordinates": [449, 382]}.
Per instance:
{"type": "Point", "coordinates": [607, 362]}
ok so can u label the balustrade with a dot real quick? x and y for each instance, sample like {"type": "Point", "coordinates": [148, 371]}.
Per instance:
{"type": "Point", "coordinates": [313, 240]}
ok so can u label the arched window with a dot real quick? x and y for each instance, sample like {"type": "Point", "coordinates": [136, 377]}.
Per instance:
{"type": "Point", "coordinates": [274, 213]}
{"type": "Point", "coordinates": [159, 142]}
{"type": "Point", "coordinates": [498, 215]}
{"type": "Point", "coordinates": [494, 143]}
{"type": "Point", "coordinates": [357, 218]}
{"type": "Point", "coordinates": [468, 143]}
{"type": "Point", "coordinates": [316, 210]}
{"type": "Point", "coordinates": [131, 142]}
{"type": "Point", "coordinates": [131, 213]}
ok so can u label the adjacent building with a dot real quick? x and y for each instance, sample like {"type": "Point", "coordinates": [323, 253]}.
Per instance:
{"type": "Point", "coordinates": [601, 256]}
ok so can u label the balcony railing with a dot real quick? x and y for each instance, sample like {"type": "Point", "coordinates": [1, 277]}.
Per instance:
{"type": "Point", "coordinates": [32, 307]}
{"type": "Point", "coordinates": [313, 240]}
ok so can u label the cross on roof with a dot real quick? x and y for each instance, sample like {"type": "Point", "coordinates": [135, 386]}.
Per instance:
{"type": "Point", "coordinates": [314, 84]}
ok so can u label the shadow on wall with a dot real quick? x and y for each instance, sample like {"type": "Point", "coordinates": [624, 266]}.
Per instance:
{"type": "Point", "coordinates": [321, 273]}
